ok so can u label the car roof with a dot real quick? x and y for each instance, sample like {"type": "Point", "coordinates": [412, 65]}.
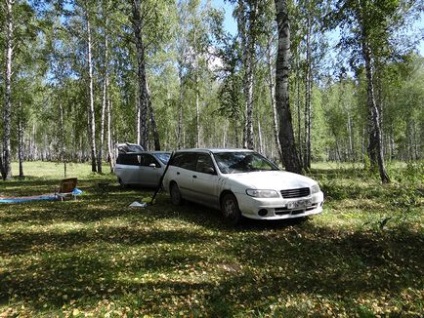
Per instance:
{"type": "Point", "coordinates": [143, 152]}
{"type": "Point", "coordinates": [214, 150]}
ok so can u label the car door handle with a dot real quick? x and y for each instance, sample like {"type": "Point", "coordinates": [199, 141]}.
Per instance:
{"type": "Point", "coordinates": [178, 173]}
{"type": "Point", "coordinates": [194, 176]}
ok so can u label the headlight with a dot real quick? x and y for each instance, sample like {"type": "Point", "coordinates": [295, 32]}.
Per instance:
{"type": "Point", "coordinates": [315, 189]}
{"type": "Point", "coordinates": [262, 193]}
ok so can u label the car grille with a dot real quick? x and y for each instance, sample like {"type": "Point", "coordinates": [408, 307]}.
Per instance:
{"type": "Point", "coordinates": [295, 193]}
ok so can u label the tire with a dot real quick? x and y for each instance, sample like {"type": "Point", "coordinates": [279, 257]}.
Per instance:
{"type": "Point", "coordinates": [230, 209]}
{"type": "Point", "coordinates": [175, 194]}
{"type": "Point", "coordinates": [123, 185]}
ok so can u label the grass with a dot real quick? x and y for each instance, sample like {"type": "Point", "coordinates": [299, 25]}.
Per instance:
{"type": "Point", "coordinates": [96, 257]}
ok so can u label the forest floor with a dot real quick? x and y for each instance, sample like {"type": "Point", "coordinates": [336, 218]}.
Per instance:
{"type": "Point", "coordinates": [97, 257]}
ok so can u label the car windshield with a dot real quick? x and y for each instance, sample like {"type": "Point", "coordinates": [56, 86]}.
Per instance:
{"type": "Point", "coordinates": [163, 157]}
{"type": "Point", "coordinates": [239, 162]}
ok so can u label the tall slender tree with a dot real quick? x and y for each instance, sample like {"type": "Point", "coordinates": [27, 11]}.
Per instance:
{"type": "Point", "coordinates": [369, 23]}
{"type": "Point", "coordinates": [6, 170]}
{"type": "Point", "coordinates": [137, 24]}
{"type": "Point", "coordinates": [91, 108]}
{"type": "Point", "coordinates": [271, 85]}
{"type": "Point", "coordinates": [247, 18]}
{"type": "Point", "coordinates": [290, 156]}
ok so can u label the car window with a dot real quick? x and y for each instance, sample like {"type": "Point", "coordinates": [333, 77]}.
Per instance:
{"type": "Point", "coordinates": [176, 160]}
{"type": "Point", "coordinates": [205, 164]}
{"type": "Point", "coordinates": [128, 159]}
{"type": "Point", "coordinates": [185, 160]}
{"type": "Point", "coordinates": [163, 157]}
{"type": "Point", "coordinates": [239, 162]}
{"type": "Point", "coordinates": [148, 159]}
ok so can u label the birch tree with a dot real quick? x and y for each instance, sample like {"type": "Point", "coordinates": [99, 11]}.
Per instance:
{"type": "Point", "coordinates": [5, 159]}
{"type": "Point", "coordinates": [247, 15]}
{"type": "Point", "coordinates": [190, 32]}
{"type": "Point", "coordinates": [369, 24]}
{"type": "Point", "coordinates": [290, 157]}
{"type": "Point", "coordinates": [91, 110]}
{"type": "Point", "coordinates": [271, 84]}
{"type": "Point", "coordinates": [137, 24]}
{"type": "Point", "coordinates": [105, 113]}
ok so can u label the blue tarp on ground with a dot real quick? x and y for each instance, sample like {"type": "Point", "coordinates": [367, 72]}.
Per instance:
{"type": "Point", "coordinates": [49, 197]}
{"type": "Point", "coordinates": [44, 197]}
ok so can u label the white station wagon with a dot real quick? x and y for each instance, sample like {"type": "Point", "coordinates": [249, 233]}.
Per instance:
{"type": "Point", "coordinates": [143, 168]}
{"type": "Point", "coordinates": [241, 183]}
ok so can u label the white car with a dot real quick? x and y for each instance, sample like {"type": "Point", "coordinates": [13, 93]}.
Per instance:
{"type": "Point", "coordinates": [241, 183]}
{"type": "Point", "coordinates": [143, 168]}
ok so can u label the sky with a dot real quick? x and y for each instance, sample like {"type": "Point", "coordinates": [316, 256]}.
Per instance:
{"type": "Point", "coordinates": [231, 26]}
{"type": "Point", "coordinates": [229, 22]}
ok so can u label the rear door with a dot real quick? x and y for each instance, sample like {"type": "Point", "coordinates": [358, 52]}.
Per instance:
{"type": "Point", "coordinates": [185, 164]}
{"type": "Point", "coordinates": [149, 171]}
{"type": "Point", "coordinates": [126, 168]}
{"type": "Point", "coordinates": [204, 185]}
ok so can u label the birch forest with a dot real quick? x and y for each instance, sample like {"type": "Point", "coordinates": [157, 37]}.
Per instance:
{"type": "Point", "coordinates": [300, 81]}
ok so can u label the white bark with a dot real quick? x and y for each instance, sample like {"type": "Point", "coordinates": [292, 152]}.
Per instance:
{"type": "Point", "coordinates": [6, 169]}
{"type": "Point", "coordinates": [91, 112]}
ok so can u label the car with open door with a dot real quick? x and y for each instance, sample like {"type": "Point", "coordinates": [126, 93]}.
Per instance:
{"type": "Point", "coordinates": [144, 168]}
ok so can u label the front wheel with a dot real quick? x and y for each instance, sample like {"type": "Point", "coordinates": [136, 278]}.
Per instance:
{"type": "Point", "coordinates": [121, 183]}
{"type": "Point", "coordinates": [230, 209]}
{"type": "Point", "coordinates": [175, 193]}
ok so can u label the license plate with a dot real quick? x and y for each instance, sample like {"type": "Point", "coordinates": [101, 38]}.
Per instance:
{"type": "Point", "coordinates": [299, 204]}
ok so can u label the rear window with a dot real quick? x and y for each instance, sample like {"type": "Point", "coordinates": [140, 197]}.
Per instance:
{"type": "Point", "coordinates": [128, 159]}
{"type": "Point", "coordinates": [185, 160]}
{"type": "Point", "coordinates": [205, 164]}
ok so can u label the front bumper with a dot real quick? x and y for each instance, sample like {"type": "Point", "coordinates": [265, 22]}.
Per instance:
{"type": "Point", "coordinates": [279, 208]}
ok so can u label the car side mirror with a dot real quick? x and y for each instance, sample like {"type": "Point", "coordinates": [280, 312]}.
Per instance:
{"type": "Point", "coordinates": [152, 165]}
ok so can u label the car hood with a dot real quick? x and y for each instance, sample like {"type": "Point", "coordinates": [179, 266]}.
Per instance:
{"type": "Point", "coordinates": [278, 180]}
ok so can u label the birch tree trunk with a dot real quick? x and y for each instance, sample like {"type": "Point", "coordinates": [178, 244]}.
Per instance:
{"type": "Point", "coordinates": [271, 84]}
{"type": "Point", "coordinates": [110, 150]}
{"type": "Point", "coordinates": [137, 119]}
{"type": "Point", "coordinates": [180, 121]}
{"type": "Point", "coordinates": [197, 97]}
{"type": "Point", "coordinates": [196, 84]}
{"type": "Point", "coordinates": [298, 107]}
{"type": "Point", "coordinates": [308, 97]}
{"type": "Point", "coordinates": [290, 156]}
{"type": "Point", "coordinates": [5, 164]}
{"type": "Point", "coordinates": [375, 149]}
{"type": "Point", "coordinates": [21, 130]}
{"type": "Point", "coordinates": [247, 31]}
{"type": "Point", "coordinates": [154, 127]}
{"type": "Point", "coordinates": [248, 92]}
{"type": "Point", "coordinates": [91, 111]}
{"type": "Point", "coordinates": [104, 101]}
{"type": "Point", "coordinates": [260, 146]}
{"type": "Point", "coordinates": [137, 23]}
{"type": "Point", "coordinates": [103, 120]}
